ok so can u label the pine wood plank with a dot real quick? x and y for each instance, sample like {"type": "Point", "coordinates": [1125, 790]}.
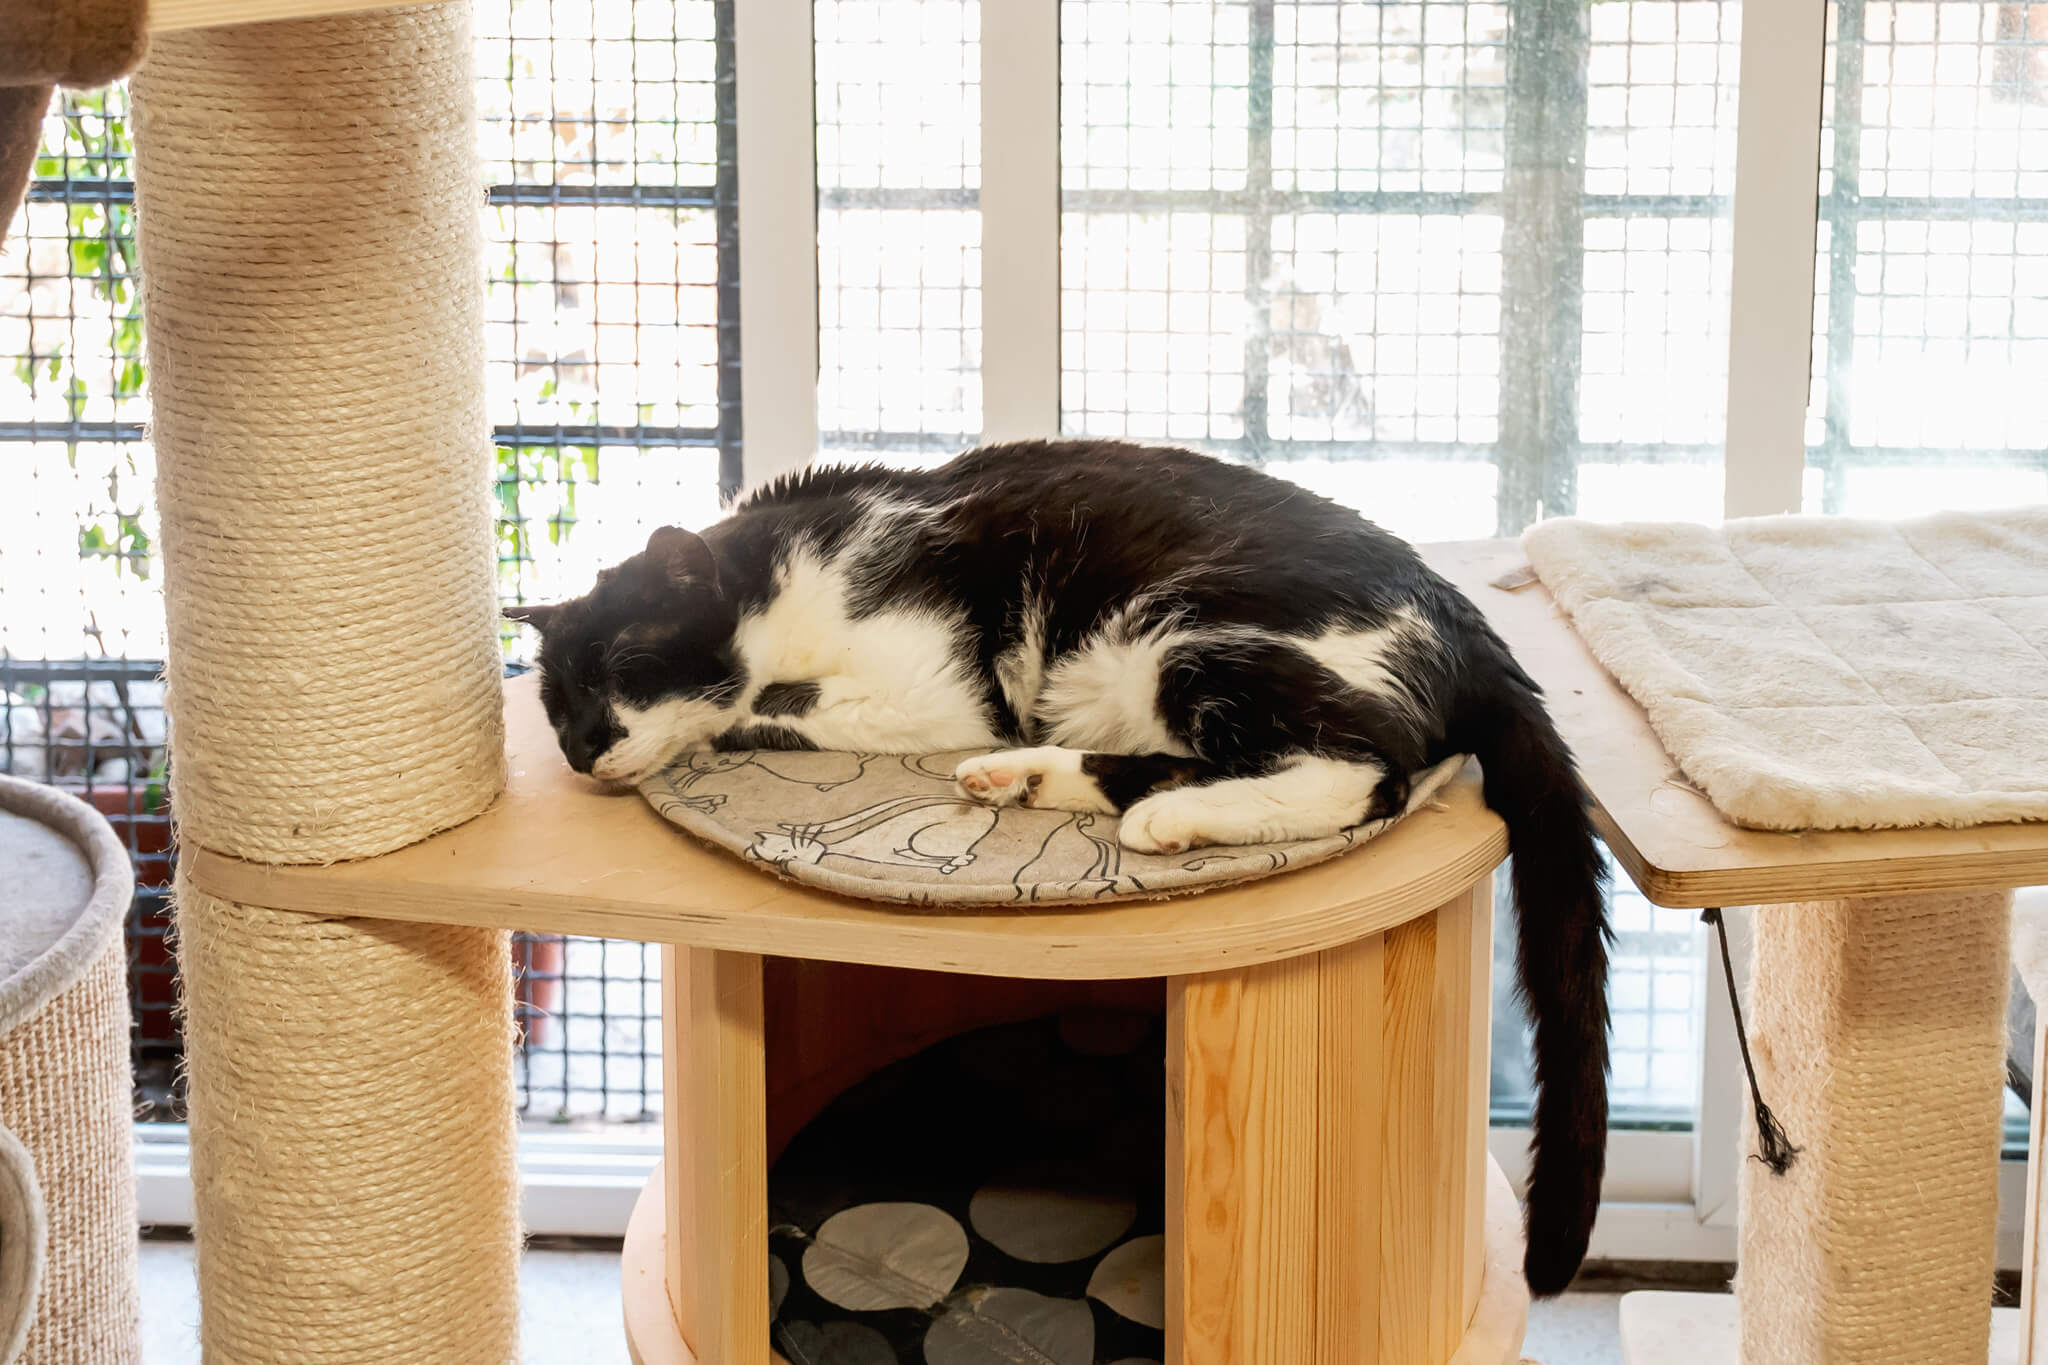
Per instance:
{"type": "Point", "coordinates": [1349, 1118]}
{"type": "Point", "coordinates": [1414, 1324]}
{"type": "Point", "coordinates": [1674, 844]}
{"type": "Point", "coordinates": [679, 1206]}
{"type": "Point", "coordinates": [558, 854]}
{"type": "Point", "coordinates": [1241, 1060]}
{"type": "Point", "coordinates": [722, 1211]}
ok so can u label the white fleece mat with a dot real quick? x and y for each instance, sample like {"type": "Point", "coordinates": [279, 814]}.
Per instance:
{"type": "Point", "coordinates": [1821, 673]}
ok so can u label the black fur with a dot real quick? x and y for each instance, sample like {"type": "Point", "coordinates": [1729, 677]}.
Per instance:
{"type": "Point", "coordinates": [786, 699]}
{"type": "Point", "coordinates": [743, 737]}
{"type": "Point", "coordinates": [1126, 779]}
{"type": "Point", "coordinates": [1079, 534]}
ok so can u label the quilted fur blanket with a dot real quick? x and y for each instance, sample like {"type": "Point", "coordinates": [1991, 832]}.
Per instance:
{"type": "Point", "coordinates": [1823, 673]}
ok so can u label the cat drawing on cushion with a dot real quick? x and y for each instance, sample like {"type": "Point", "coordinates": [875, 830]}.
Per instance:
{"type": "Point", "coordinates": [1212, 654]}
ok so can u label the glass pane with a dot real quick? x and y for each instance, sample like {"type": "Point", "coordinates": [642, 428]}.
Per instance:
{"type": "Point", "coordinates": [1457, 264]}
{"type": "Point", "coordinates": [899, 227]}
{"type": "Point", "coordinates": [1655, 993]}
{"type": "Point", "coordinates": [589, 92]}
{"type": "Point", "coordinates": [1931, 295]}
{"type": "Point", "coordinates": [603, 316]}
{"type": "Point", "coordinates": [1459, 260]}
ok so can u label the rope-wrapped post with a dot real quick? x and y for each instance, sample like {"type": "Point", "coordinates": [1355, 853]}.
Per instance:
{"type": "Point", "coordinates": [1879, 1035]}
{"type": "Point", "coordinates": [309, 201]}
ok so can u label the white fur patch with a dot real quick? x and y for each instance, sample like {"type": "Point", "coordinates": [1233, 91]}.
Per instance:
{"type": "Point", "coordinates": [891, 682]}
{"type": "Point", "coordinates": [1105, 695]}
{"type": "Point", "coordinates": [1045, 779]}
{"type": "Point", "coordinates": [1361, 657]}
{"type": "Point", "coordinates": [1020, 669]}
{"type": "Point", "coordinates": [1307, 799]}
{"type": "Point", "coordinates": [655, 734]}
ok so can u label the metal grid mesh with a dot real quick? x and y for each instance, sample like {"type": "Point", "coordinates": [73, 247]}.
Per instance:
{"type": "Point", "coordinates": [613, 354]}
{"type": "Point", "coordinates": [1381, 296]}
{"type": "Point", "coordinates": [1931, 310]}
{"type": "Point", "coordinates": [899, 227]}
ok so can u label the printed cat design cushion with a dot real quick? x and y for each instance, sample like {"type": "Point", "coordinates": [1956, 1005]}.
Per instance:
{"type": "Point", "coordinates": [893, 827]}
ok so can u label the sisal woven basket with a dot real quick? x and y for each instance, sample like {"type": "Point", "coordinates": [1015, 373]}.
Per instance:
{"type": "Point", "coordinates": [67, 1185]}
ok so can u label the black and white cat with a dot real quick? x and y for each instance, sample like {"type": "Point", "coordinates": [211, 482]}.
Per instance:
{"type": "Point", "coordinates": [1215, 654]}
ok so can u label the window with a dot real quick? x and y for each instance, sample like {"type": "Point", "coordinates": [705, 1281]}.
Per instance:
{"type": "Point", "coordinates": [1931, 292]}
{"type": "Point", "coordinates": [1455, 263]}
{"type": "Point", "coordinates": [1461, 263]}
{"type": "Point", "coordinates": [612, 316]}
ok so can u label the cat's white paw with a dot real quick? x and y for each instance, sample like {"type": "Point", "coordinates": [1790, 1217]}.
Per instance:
{"type": "Point", "coordinates": [1046, 778]}
{"type": "Point", "coordinates": [1167, 822]}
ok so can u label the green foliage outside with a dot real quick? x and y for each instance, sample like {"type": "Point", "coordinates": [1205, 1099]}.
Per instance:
{"type": "Point", "coordinates": [90, 141]}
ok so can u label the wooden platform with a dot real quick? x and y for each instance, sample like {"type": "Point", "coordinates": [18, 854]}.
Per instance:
{"type": "Point", "coordinates": [1675, 846]}
{"type": "Point", "coordinates": [558, 854]}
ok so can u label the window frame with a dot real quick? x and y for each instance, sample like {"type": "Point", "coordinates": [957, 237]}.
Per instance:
{"type": "Point", "coordinates": [1671, 1195]}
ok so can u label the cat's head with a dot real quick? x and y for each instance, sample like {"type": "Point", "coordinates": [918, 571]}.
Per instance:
{"type": "Point", "coordinates": [641, 667]}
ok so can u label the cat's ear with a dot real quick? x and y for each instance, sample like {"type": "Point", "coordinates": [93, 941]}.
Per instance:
{"type": "Point", "coordinates": [539, 615]}
{"type": "Point", "coordinates": [683, 557]}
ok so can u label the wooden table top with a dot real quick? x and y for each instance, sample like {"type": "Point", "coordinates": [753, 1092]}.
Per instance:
{"type": "Point", "coordinates": [1671, 840]}
{"type": "Point", "coordinates": [558, 854]}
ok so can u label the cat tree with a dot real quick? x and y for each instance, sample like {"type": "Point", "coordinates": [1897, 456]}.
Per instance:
{"type": "Point", "coordinates": [309, 196]}
{"type": "Point", "coordinates": [309, 240]}
{"type": "Point", "coordinates": [313, 275]}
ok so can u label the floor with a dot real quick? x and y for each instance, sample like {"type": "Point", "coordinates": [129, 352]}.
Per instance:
{"type": "Point", "coordinates": [569, 1311]}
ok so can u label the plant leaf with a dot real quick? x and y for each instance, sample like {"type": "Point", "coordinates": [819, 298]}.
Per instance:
{"type": "Point", "coordinates": [878, 1256]}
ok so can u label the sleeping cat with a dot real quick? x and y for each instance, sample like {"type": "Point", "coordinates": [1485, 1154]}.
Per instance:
{"type": "Point", "coordinates": [1213, 654]}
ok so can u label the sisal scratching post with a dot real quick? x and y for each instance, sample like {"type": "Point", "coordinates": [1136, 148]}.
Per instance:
{"type": "Point", "coordinates": [310, 243]}
{"type": "Point", "coordinates": [1879, 1032]}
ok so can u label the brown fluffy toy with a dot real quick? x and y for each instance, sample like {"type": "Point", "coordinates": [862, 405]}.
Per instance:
{"type": "Point", "coordinates": [48, 43]}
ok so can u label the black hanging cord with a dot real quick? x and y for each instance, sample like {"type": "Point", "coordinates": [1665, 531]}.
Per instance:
{"type": "Point", "coordinates": [1774, 1146]}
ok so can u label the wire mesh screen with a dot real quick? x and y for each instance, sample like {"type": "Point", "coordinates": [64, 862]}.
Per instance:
{"type": "Point", "coordinates": [899, 227]}
{"type": "Point", "coordinates": [1931, 291]}
{"type": "Point", "coordinates": [613, 374]}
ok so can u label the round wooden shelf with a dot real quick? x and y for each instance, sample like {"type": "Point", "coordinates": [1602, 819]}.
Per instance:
{"type": "Point", "coordinates": [559, 854]}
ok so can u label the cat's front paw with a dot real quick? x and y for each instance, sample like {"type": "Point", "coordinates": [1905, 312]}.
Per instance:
{"type": "Point", "coordinates": [1045, 778]}
{"type": "Point", "coordinates": [1166, 823]}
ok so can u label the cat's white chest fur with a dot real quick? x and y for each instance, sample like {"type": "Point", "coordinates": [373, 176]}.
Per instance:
{"type": "Point", "coordinates": [893, 681]}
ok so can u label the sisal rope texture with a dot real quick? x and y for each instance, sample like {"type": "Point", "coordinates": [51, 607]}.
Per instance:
{"type": "Point", "coordinates": [1879, 1033]}
{"type": "Point", "coordinates": [309, 203]}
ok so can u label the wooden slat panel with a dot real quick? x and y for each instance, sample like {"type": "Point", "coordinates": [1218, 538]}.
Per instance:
{"type": "Point", "coordinates": [1477, 983]}
{"type": "Point", "coordinates": [677, 1143]}
{"type": "Point", "coordinates": [1352, 1098]}
{"type": "Point", "coordinates": [1414, 1325]}
{"type": "Point", "coordinates": [727, 1158]}
{"type": "Point", "coordinates": [1241, 1154]}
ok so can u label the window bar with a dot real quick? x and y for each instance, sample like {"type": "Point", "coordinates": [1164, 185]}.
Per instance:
{"type": "Point", "coordinates": [1843, 211]}
{"type": "Point", "coordinates": [775, 120]}
{"type": "Point", "coordinates": [1258, 232]}
{"type": "Point", "coordinates": [1542, 250]}
{"type": "Point", "coordinates": [726, 207]}
{"type": "Point", "coordinates": [1020, 219]}
{"type": "Point", "coordinates": [1770, 311]}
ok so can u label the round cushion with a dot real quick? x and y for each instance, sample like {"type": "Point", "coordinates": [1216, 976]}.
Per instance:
{"type": "Point", "coordinates": [893, 827]}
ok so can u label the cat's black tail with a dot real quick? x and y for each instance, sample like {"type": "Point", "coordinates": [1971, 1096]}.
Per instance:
{"type": "Point", "coordinates": [1561, 917]}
